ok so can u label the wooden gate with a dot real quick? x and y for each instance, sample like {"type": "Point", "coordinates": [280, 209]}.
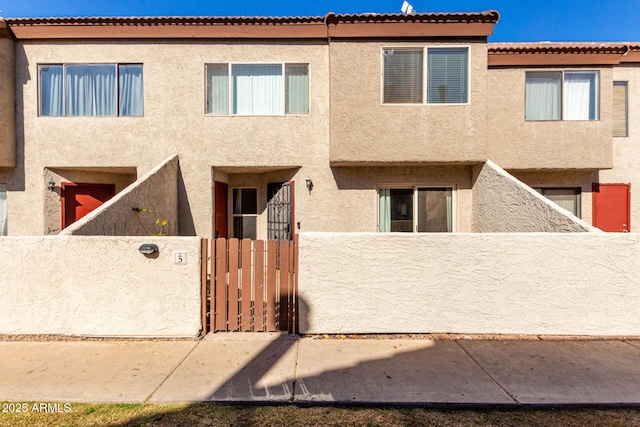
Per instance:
{"type": "Point", "coordinates": [249, 285]}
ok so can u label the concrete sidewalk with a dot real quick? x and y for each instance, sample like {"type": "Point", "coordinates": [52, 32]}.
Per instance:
{"type": "Point", "coordinates": [282, 368]}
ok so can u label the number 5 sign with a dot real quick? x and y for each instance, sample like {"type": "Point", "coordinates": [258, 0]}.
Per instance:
{"type": "Point", "coordinates": [179, 257]}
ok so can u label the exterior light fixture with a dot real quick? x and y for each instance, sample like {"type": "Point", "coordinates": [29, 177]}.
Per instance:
{"type": "Point", "coordinates": [149, 249]}
{"type": "Point", "coordinates": [51, 184]}
{"type": "Point", "coordinates": [309, 184]}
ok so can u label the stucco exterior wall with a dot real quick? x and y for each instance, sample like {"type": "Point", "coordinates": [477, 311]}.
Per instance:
{"type": "Point", "coordinates": [7, 104]}
{"type": "Point", "coordinates": [574, 179]}
{"type": "Point", "coordinates": [514, 143]}
{"type": "Point", "coordinates": [516, 283]}
{"type": "Point", "coordinates": [501, 203]}
{"type": "Point", "coordinates": [155, 196]}
{"type": "Point", "coordinates": [364, 130]}
{"type": "Point", "coordinates": [99, 286]}
{"type": "Point", "coordinates": [626, 152]}
{"type": "Point", "coordinates": [174, 122]}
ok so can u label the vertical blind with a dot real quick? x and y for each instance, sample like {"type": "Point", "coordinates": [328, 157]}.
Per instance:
{"type": "Point", "coordinates": [620, 123]}
{"type": "Point", "coordinates": [257, 89]}
{"type": "Point", "coordinates": [403, 76]}
{"type": "Point", "coordinates": [447, 75]}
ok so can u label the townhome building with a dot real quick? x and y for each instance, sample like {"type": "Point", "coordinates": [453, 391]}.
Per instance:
{"type": "Point", "coordinates": [367, 123]}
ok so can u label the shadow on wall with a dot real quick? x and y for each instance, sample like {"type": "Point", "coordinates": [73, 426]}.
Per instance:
{"type": "Point", "coordinates": [186, 227]}
{"type": "Point", "coordinates": [16, 181]}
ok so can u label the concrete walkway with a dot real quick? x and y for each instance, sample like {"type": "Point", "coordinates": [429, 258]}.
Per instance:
{"type": "Point", "coordinates": [282, 368]}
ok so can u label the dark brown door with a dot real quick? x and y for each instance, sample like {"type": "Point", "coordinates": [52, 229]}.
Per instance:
{"type": "Point", "coordinates": [612, 207]}
{"type": "Point", "coordinates": [221, 221]}
{"type": "Point", "coordinates": [80, 199]}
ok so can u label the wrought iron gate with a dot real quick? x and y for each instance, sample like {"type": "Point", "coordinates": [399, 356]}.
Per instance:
{"type": "Point", "coordinates": [280, 211]}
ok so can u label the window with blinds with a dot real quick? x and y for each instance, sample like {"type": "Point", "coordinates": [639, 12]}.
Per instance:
{"type": "Point", "coordinates": [446, 78]}
{"type": "Point", "coordinates": [620, 114]}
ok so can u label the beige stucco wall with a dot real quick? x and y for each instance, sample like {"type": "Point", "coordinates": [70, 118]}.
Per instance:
{"type": "Point", "coordinates": [515, 143]}
{"type": "Point", "coordinates": [155, 196]}
{"type": "Point", "coordinates": [363, 130]}
{"type": "Point", "coordinates": [515, 283]}
{"type": "Point", "coordinates": [102, 286]}
{"type": "Point", "coordinates": [626, 152]}
{"type": "Point", "coordinates": [501, 203]}
{"type": "Point", "coordinates": [173, 123]}
{"type": "Point", "coordinates": [7, 104]}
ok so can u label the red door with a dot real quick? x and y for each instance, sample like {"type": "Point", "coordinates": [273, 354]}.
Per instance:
{"type": "Point", "coordinates": [221, 193]}
{"type": "Point", "coordinates": [612, 207]}
{"type": "Point", "coordinates": [80, 199]}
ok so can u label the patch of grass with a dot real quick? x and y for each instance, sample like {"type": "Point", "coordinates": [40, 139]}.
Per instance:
{"type": "Point", "coordinates": [213, 414]}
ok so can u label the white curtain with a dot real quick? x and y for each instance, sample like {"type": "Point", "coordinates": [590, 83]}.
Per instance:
{"type": "Point", "coordinates": [542, 96]}
{"type": "Point", "coordinates": [579, 101]}
{"type": "Point", "coordinates": [130, 92]}
{"type": "Point", "coordinates": [91, 90]}
{"type": "Point", "coordinates": [449, 200]}
{"type": "Point", "coordinates": [297, 88]}
{"type": "Point", "coordinates": [384, 221]}
{"type": "Point", "coordinates": [3, 210]}
{"type": "Point", "coordinates": [258, 89]}
{"type": "Point", "coordinates": [218, 89]}
{"type": "Point", "coordinates": [51, 90]}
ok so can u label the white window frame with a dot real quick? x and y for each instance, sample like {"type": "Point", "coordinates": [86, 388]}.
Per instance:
{"type": "Point", "coordinates": [415, 187]}
{"type": "Point", "coordinates": [577, 193]}
{"type": "Point", "coordinates": [64, 87]}
{"type": "Point", "coordinates": [562, 94]}
{"type": "Point", "coordinates": [230, 88]}
{"type": "Point", "coordinates": [425, 77]}
{"type": "Point", "coordinates": [242, 215]}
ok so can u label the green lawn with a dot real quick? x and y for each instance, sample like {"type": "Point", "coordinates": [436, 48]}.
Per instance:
{"type": "Point", "coordinates": [210, 414]}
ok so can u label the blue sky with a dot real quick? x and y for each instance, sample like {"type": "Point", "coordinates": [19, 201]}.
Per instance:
{"type": "Point", "coordinates": [559, 20]}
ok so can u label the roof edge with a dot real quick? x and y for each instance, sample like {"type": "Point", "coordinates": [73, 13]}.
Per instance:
{"type": "Point", "coordinates": [563, 53]}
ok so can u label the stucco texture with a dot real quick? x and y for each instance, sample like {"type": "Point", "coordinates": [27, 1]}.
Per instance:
{"type": "Point", "coordinates": [626, 155]}
{"type": "Point", "coordinates": [514, 143]}
{"type": "Point", "coordinates": [515, 283]}
{"type": "Point", "coordinates": [501, 203]}
{"type": "Point", "coordinates": [174, 122]}
{"type": "Point", "coordinates": [365, 131]}
{"type": "Point", "coordinates": [133, 211]}
{"type": "Point", "coordinates": [99, 286]}
{"type": "Point", "coordinates": [7, 104]}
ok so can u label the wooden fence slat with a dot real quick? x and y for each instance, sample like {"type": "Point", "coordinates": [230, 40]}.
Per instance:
{"type": "Point", "coordinates": [283, 324]}
{"type": "Point", "coordinates": [245, 293]}
{"type": "Point", "coordinates": [258, 304]}
{"type": "Point", "coordinates": [232, 317]}
{"type": "Point", "coordinates": [204, 304]}
{"type": "Point", "coordinates": [220, 306]}
{"type": "Point", "coordinates": [293, 288]}
{"type": "Point", "coordinates": [271, 285]}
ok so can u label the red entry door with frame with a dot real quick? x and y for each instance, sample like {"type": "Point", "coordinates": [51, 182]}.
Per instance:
{"type": "Point", "coordinates": [612, 207]}
{"type": "Point", "coordinates": [221, 221]}
{"type": "Point", "coordinates": [78, 199]}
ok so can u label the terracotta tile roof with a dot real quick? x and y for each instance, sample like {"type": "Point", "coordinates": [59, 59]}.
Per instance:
{"type": "Point", "coordinates": [490, 16]}
{"type": "Point", "coordinates": [166, 20]}
{"type": "Point", "coordinates": [562, 54]}
{"type": "Point", "coordinates": [564, 47]}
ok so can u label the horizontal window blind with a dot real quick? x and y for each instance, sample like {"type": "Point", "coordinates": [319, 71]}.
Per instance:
{"type": "Point", "coordinates": [403, 76]}
{"type": "Point", "coordinates": [620, 124]}
{"type": "Point", "coordinates": [447, 80]}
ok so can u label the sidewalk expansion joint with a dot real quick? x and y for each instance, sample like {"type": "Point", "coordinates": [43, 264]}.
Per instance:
{"type": "Point", "coordinates": [295, 372]}
{"type": "Point", "coordinates": [637, 347]}
{"type": "Point", "coordinates": [172, 371]}
{"type": "Point", "coordinates": [487, 373]}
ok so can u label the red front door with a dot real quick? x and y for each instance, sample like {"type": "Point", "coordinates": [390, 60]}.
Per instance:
{"type": "Point", "coordinates": [221, 195]}
{"type": "Point", "coordinates": [80, 199]}
{"type": "Point", "coordinates": [612, 207]}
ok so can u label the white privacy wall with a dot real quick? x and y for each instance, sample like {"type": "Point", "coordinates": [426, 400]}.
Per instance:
{"type": "Point", "coordinates": [99, 286]}
{"type": "Point", "coordinates": [515, 283]}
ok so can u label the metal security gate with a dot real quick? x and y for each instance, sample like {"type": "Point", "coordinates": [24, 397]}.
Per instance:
{"type": "Point", "coordinates": [280, 211]}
